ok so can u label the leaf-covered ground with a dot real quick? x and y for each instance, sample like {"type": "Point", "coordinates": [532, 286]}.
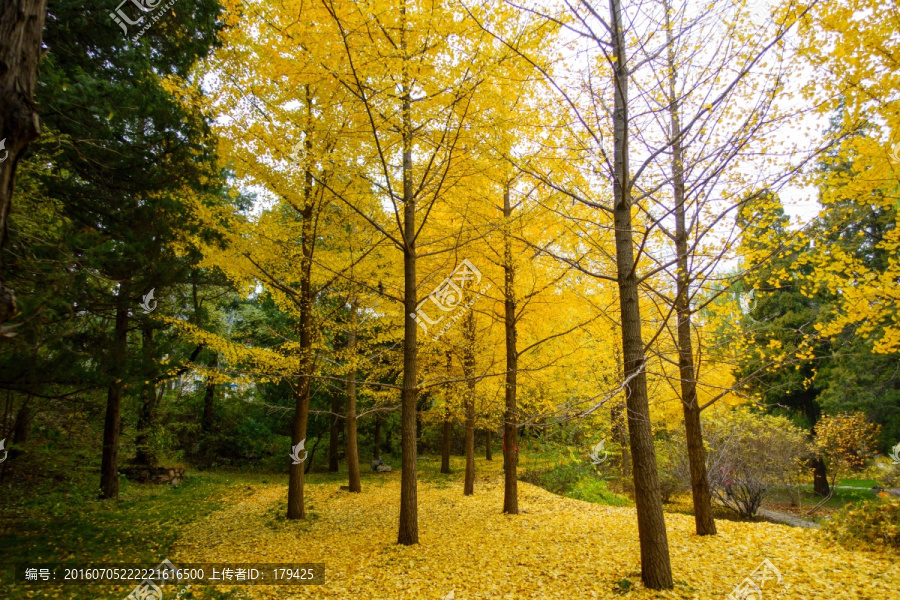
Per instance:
{"type": "Point", "coordinates": [558, 548]}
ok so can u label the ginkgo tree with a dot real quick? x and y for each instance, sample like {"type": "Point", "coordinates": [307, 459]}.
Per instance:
{"type": "Point", "coordinates": [852, 45]}
{"type": "Point", "coordinates": [285, 128]}
{"type": "Point", "coordinates": [412, 72]}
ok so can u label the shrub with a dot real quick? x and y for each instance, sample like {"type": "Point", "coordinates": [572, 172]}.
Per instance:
{"type": "Point", "coordinates": [577, 480]}
{"type": "Point", "coordinates": [591, 489]}
{"type": "Point", "coordinates": [747, 454]}
{"type": "Point", "coordinates": [847, 439]}
{"type": "Point", "coordinates": [560, 479]}
{"type": "Point", "coordinates": [668, 487]}
{"type": "Point", "coordinates": [875, 522]}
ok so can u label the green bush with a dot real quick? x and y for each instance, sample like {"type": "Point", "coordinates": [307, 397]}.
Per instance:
{"type": "Point", "coordinates": [875, 522]}
{"type": "Point", "coordinates": [596, 491]}
{"type": "Point", "coordinates": [577, 480]}
{"type": "Point", "coordinates": [559, 479]}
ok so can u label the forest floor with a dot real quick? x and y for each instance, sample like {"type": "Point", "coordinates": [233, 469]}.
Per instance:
{"type": "Point", "coordinates": [558, 548]}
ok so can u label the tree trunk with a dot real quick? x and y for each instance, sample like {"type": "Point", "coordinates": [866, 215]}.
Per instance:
{"type": "Point", "coordinates": [376, 441]}
{"type": "Point", "coordinates": [703, 517]}
{"type": "Point", "coordinates": [145, 455]}
{"type": "Point", "coordinates": [656, 569]}
{"type": "Point", "coordinates": [510, 417]}
{"type": "Point", "coordinates": [22, 422]}
{"type": "Point", "coordinates": [352, 449]}
{"type": "Point", "coordinates": [820, 477]}
{"type": "Point", "coordinates": [333, 438]}
{"type": "Point", "coordinates": [445, 443]}
{"type": "Point", "coordinates": [469, 373]}
{"type": "Point", "coordinates": [419, 428]}
{"type": "Point", "coordinates": [312, 453]}
{"type": "Point", "coordinates": [620, 434]}
{"type": "Point", "coordinates": [702, 497]}
{"type": "Point", "coordinates": [408, 530]}
{"type": "Point", "coordinates": [448, 425]}
{"type": "Point", "coordinates": [109, 468]}
{"type": "Point", "coordinates": [487, 445]}
{"type": "Point", "coordinates": [209, 400]}
{"type": "Point", "coordinates": [21, 27]}
{"type": "Point", "coordinates": [296, 508]}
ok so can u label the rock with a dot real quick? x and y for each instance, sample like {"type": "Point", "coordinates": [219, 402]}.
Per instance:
{"type": "Point", "coordinates": [383, 469]}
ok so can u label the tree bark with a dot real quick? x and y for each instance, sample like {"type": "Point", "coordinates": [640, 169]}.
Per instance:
{"type": "Point", "coordinates": [620, 433]}
{"type": "Point", "coordinates": [703, 517]}
{"type": "Point", "coordinates": [510, 417]}
{"type": "Point", "coordinates": [352, 449]}
{"type": "Point", "coordinates": [487, 445]}
{"type": "Point", "coordinates": [656, 569]}
{"type": "Point", "coordinates": [109, 468]}
{"type": "Point", "coordinates": [408, 529]}
{"type": "Point", "coordinates": [376, 435]}
{"type": "Point", "coordinates": [820, 477]}
{"type": "Point", "coordinates": [21, 27]}
{"type": "Point", "coordinates": [469, 374]}
{"type": "Point", "coordinates": [448, 425]}
{"type": "Point", "coordinates": [296, 508]}
{"type": "Point", "coordinates": [145, 455]}
{"type": "Point", "coordinates": [445, 443]}
{"type": "Point", "coordinates": [209, 400]}
{"type": "Point", "coordinates": [22, 422]}
{"type": "Point", "coordinates": [334, 435]}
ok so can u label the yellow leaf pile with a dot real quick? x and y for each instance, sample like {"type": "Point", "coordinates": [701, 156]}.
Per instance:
{"type": "Point", "coordinates": [558, 548]}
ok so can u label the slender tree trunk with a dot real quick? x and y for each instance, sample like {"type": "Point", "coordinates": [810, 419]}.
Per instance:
{"type": "Point", "coordinates": [487, 445]}
{"type": "Point", "coordinates": [656, 569]}
{"type": "Point", "coordinates": [820, 477]}
{"type": "Point", "coordinates": [312, 453]}
{"type": "Point", "coordinates": [21, 26]}
{"type": "Point", "coordinates": [109, 468]}
{"type": "Point", "coordinates": [620, 434]}
{"type": "Point", "coordinates": [376, 441]}
{"type": "Point", "coordinates": [296, 508]}
{"type": "Point", "coordinates": [703, 517]}
{"type": "Point", "coordinates": [408, 530]}
{"type": "Point", "coordinates": [145, 455]}
{"type": "Point", "coordinates": [469, 373]}
{"type": "Point", "coordinates": [22, 422]}
{"type": "Point", "coordinates": [352, 449]}
{"type": "Point", "coordinates": [445, 443]}
{"type": "Point", "coordinates": [209, 400]}
{"type": "Point", "coordinates": [333, 438]}
{"type": "Point", "coordinates": [510, 418]}
{"type": "Point", "coordinates": [448, 425]}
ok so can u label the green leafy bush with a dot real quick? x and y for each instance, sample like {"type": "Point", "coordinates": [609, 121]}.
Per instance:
{"type": "Point", "coordinates": [559, 479]}
{"type": "Point", "coordinates": [577, 480]}
{"type": "Point", "coordinates": [596, 491]}
{"type": "Point", "coordinates": [875, 522]}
